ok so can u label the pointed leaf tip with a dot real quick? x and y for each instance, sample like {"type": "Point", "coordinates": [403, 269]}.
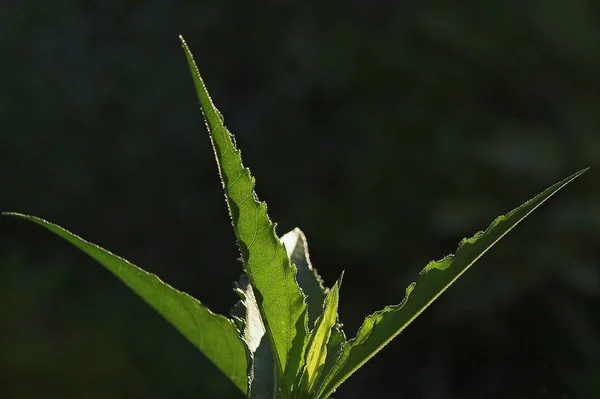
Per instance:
{"type": "Point", "coordinates": [381, 327]}
{"type": "Point", "coordinates": [316, 353]}
{"type": "Point", "coordinates": [280, 300]}
{"type": "Point", "coordinates": [214, 335]}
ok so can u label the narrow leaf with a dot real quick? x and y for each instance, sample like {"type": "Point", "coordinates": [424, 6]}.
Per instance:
{"type": "Point", "coordinates": [316, 353]}
{"type": "Point", "coordinates": [262, 371]}
{"type": "Point", "coordinates": [306, 275]}
{"type": "Point", "coordinates": [280, 300]}
{"type": "Point", "coordinates": [335, 349]}
{"type": "Point", "coordinates": [315, 290]}
{"type": "Point", "coordinates": [381, 327]}
{"type": "Point", "coordinates": [214, 335]}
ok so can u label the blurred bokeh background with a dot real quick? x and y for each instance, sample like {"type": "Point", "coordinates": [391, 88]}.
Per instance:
{"type": "Point", "coordinates": [387, 131]}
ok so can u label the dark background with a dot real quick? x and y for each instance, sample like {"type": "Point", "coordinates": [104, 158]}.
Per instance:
{"type": "Point", "coordinates": [387, 131]}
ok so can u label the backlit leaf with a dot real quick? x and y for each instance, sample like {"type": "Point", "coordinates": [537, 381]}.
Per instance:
{"type": "Point", "coordinates": [271, 274]}
{"type": "Point", "coordinates": [214, 335]}
{"type": "Point", "coordinates": [381, 327]}
{"type": "Point", "coordinates": [316, 353]}
{"type": "Point", "coordinates": [309, 280]}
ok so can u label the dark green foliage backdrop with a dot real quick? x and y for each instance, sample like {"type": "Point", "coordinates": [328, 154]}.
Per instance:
{"type": "Point", "coordinates": [386, 131]}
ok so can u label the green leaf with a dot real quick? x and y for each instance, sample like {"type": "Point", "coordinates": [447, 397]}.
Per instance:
{"type": "Point", "coordinates": [306, 275]}
{"type": "Point", "coordinates": [335, 348]}
{"type": "Point", "coordinates": [271, 274]}
{"type": "Point", "coordinates": [262, 373]}
{"type": "Point", "coordinates": [381, 327]}
{"type": "Point", "coordinates": [214, 335]}
{"type": "Point", "coordinates": [313, 287]}
{"type": "Point", "coordinates": [316, 353]}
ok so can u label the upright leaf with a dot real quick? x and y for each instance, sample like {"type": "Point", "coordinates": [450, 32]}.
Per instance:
{"type": "Point", "coordinates": [316, 352]}
{"type": "Point", "coordinates": [280, 300]}
{"type": "Point", "coordinates": [313, 287]}
{"type": "Point", "coordinates": [309, 280]}
{"type": "Point", "coordinates": [214, 335]}
{"type": "Point", "coordinates": [335, 349]}
{"type": "Point", "coordinates": [262, 369]}
{"type": "Point", "coordinates": [381, 327]}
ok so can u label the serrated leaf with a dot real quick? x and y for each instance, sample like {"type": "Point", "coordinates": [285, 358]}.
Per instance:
{"type": "Point", "coordinates": [246, 312]}
{"type": "Point", "coordinates": [316, 352]}
{"type": "Point", "coordinates": [306, 275]}
{"type": "Point", "coordinates": [271, 274]}
{"type": "Point", "coordinates": [315, 290]}
{"type": "Point", "coordinates": [214, 335]}
{"type": "Point", "coordinates": [381, 327]}
{"type": "Point", "coordinates": [253, 328]}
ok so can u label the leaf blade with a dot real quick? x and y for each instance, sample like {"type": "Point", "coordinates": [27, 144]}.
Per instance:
{"type": "Point", "coordinates": [262, 375]}
{"type": "Point", "coordinates": [281, 301]}
{"type": "Point", "coordinates": [381, 327]}
{"type": "Point", "coordinates": [214, 335]}
{"type": "Point", "coordinates": [316, 352]}
{"type": "Point", "coordinates": [307, 277]}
